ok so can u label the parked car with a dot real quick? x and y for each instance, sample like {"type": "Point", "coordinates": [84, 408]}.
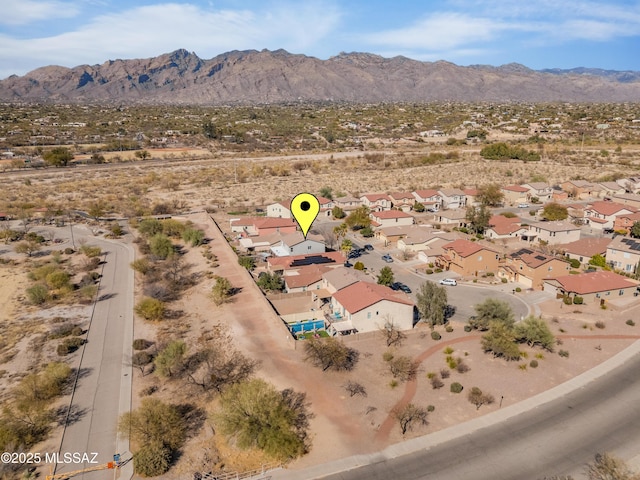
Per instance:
{"type": "Point", "coordinates": [354, 254]}
{"type": "Point", "coordinates": [448, 281]}
{"type": "Point", "coordinates": [523, 205]}
{"type": "Point", "coordinates": [387, 258]}
{"type": "Point", "coordinates": [405, 288]}
{"type": "Point", "coordinates": [368, 247]}
{"type": "Point", "coordinates": [395, 286]}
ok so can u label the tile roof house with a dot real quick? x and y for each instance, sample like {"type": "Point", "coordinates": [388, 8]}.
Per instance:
{"type": "Point", "coordinates": [593, 287]}
{"type": "Point", "coordinates": [452, 198]}
{"type": "Point", "coordinates": [514, 194]}
{"type": "Point", "coordinates": [402, 201]}
{"type": "Point", "coordinates": [630, 184]}
{"type": "Point", "coordinates": [530, 268]}
{"type": "Point", "coordinates": [305, 279]}
{"type": "Point", "coordinates": [376, 201]}
{"type": "Point", "coordinates": [623, 253]}
{"type": "Point", "coordinates": [580, 189]}
{"type": "Point", "coordinates": [339, 278]}
{"type": "Point", "coordinates": [275, 264]}
{"type": "Point", "coordinates": [631, 199]}
{"type": "Point", "coordinates": [283, 209]}
{"type": "Point", "coordinates": [585, 248]}
{"type": "Point", "coordinates": [347, 203]}
{"type": "Point", "coordinates": [391, 218]}
{"type": "Point", "coordinates": [624, 222]}
{"type": "Point", "coordinates": [368, 306]}
{"type": "Point", "coordinates": [552, 232]}
{"type": "Point", "coordinates": [390, 235]}
{"type": "Point", "coordinates": [254, 226]}
{"type": "Point", "coordinates": [501, 227]}
{"type": "Point", "coordinates": [452, 218]}
{"type": "Point", "coordinates": [297, 244]}
{"type": "Point", "coordinates": [421, 238]}
{"type": "Point", "coordinates": [468, 258]}
{"type": "Point", "coordinates": [611, 188]}
{"type": "Point", "coordinates": [471, 197]}
{"type": "Point", "coordinates": [540, 190]}
{"type": "Point", "coordinates": [601, 215]}
{"type": "Point", "coordinates": [431, 199]}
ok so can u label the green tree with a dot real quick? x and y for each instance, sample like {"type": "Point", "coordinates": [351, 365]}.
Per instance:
{"type": "Point", "coordinates": [554, 211]}
{"type": "Point", "coordinates": [193, 236]}
{"type": "Point", "coordinates": [37, 294]}
{"type": "Point", "coordinates": [153, 459]}
{"type": "Point", "coordinates": [150, 227]}
{"type": "Point", "coordinates": [161, 246]}
{"type": "Point", "coordinates": [431, 302]}
{"type": "Point", "coordinates": [170, 360]}
{"type": "Point", "coordinates": [490, 195]}
{"type": "Point", "coordinates": [221, 291]}
{"type": "Point", "coordinates": [256, 415]}
{"type": "Point", "coordinates": [150, 309]}
{"type": "Point", "coordinates": [501, 341]}
{"type": "Point", "coordinates": [367, 232]}
{"type": "Point", "coordinates": [478, 218]}
{"type": "Point", "coordinates": [385, 277]}
{"type": "Point", "coordinates": [358, 266]}
{"type": "Point", "coordinates": [340, 231]}
{"type": "Point", "coordinates": [271, 282]}
{"type": "Point", "coordinates": [418, 207]}
{"type": "Point", "coordinates": [490, 310]}
{"type": "Point", "coordinates": [58, 157]}
{"type": "Point", "coordinates": [326, 192]}
{"type": "Point", "coordinates": [28, 247]}
{"type": "Point", "coordinates": [247, 262]}
{"type": "Point", "coordinates": [635, 230]}
{"type": "Point", "coordinates": [338, 213]}
{"type": "Point", "coordinates": [346, 246]}
{"type": "Point", "coordinates": [359, 218]}
{"type": "Point", "coordinates": [330, 353]}
{"type": "Point", "coordinates": [598, 261]}
{"type": "Point", "coordinates": [535, 331]}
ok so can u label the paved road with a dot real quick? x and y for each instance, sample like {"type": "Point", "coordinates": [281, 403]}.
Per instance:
{"type": "Point", "coordinates": [463, 297]}
{"type": "Point", "coordinates": [555, 438]}
{"type": "Point", "coordinates": [103, 390]}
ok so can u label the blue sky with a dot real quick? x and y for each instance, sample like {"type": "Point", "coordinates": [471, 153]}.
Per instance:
{"type": "Point", "coordinates": [536, 33]}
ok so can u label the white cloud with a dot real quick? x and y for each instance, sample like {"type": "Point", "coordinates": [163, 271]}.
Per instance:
{"type": "Point", "coordinates": [151, 30]}
{"type": "Point", "coordinates": [23, 12]}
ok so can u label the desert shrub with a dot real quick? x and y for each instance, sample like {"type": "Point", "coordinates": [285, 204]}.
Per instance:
{"type": "Point", "coordinates": [403, 368]}
{"type": "Point", "coordinates": [448, 329]}
{"type": "Point", "coordinates": [77, 331]}
{"type": "Point", "coordinates": [430, 408]}
{"type": "Point", "coordinates": [504, 280]}
{"type": "Point", "coordinates": [150, 309]}
{"type": "Point", "coordinates": [462, 367]}
{"type": "Point", "coordinates": [456, 387]}
{"type": "Point", "coordinates": [152, 459]}
{"type": "Point", "coordinates": [448, 351]}
{"type": "Point", "coordinates": [563, 353]}
{"type": "Point", "coordinates": [436, 336]}
{"type": "Point", "coordinates": [436, 383]}
{"type": "Point", "coordinates": [141, 265]}
{"type": "Point", "coordinates": [468, 328]}
{"type": "Point", "coordinates": [61, 331]}
{"type": "Point", "coordinates": [518, 289]}
{"type": "Point", "coordinates": [69, 345]}
{"type": "Point", "coordinates": [577, 300]}
{"type": "Point", "coordinates": [141, 344]}
{"type": "Point", "coordinates": [69, 251]}
{"type": "Point", "coordinates": [37, 294]}
{"type": "Point", "coordinates": [600, 324]}
{"type": "Point", "coordinates": [574, 262]}
{"type": "Point", "coordinates": [445, 373]}
{"type": "Point", "coordinates": [193, 236]}
{"type": "Point", "coordinates": [387, 356]}
{"type": "Point", "coordinates": [533, 364]}
{"type": "Point", "coordinates": [630, 322]}
{"type": "Point", "coordinates": [88, 279]}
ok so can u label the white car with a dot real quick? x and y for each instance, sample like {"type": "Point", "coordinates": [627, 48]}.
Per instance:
{"type": "Point", "coordinates": [448, 281]}
{"type": "Point", "coordinates": [523, 205]}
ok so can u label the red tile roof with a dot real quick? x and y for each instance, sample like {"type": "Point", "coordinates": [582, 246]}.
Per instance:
{"type": "Point", "coordinates": [374, 197]}
{"type": "Point", "coordinates": [464, 248]}
{"type": "Point", "coordinates": [586, 247]}
{"type": "Point", "coordinates": [390, 214]}
{"type": "Point", "coordinates": [426, 193]}
{"type": "Point", "coordinates": [515, 188]}
{"type": "Point", "coordinates": [609, 208]}
{"type": "Point", "coordinates": [306, 276]}
{"type": "Point", "coordinates": [401, 196]}
{"type": "Point", "coordinates": [361, 295]}
{"type": "Point", "coordinates": [594, 282]}
{"type": "Point", "coordinates": [273, 222]}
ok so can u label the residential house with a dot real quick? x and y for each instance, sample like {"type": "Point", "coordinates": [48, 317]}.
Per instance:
{"type": "Point", "coordinates": [468, 258]}
{"type": "Point", "coordinates": [258, 226]}
{"type": "Point", "coordinates": [593, 287]}
{"type": "Point", "coordinates": [283, 209]}
{"type": "Point", "coordinates": [630, 199]}
{"type": "Point", "coordinates": [366, 307]}
{"type": "Point", "coordinates": [585, 248]}
{"type": "Point", "coordinates": [623, 254]}
{"type": "Point", "coordinates": [295, 262]}
{"type": "Point", "coordinates": [391, 218]}
{"type": "Point", "coordinates": [559, 195]}
{"type": "Point", "coordinates": [431, 199]}
{"type": "Point", "coordinates": [580, 189]}
{"type": "Point", "coordinates": [504, 228]}
{"type": "Point", "coordinates": [552, 232]}
{"type": "Point", "coordinates": [611, 188]}
{"type": "Point", "coordinates": [630, 184]}
{"type": "Point", "coordinates": [296, 244]}
{"type": "Point", "coordinates": [452, 198]}
{"type": "Point", "coordinates": [452, 218]}
{"type": "Point", "coordinates": [376, 202]}
{"type": "Point", "coordinates": [601, 215]}
{"type": "Point", "coordinates": [433, 251]}
{"type": "Point", "coordinates": [390, 235]}
{"type": "Point", "coordinates": [471, 197]}
{"type": "Point", "coordinates": [422, 238]}
{"type": "Point", "coordinates": [339, 278]}
{"type": "Point", "coordinates": [514, 194]}
{"type": "Point", "coordinates": [624, 222]}
{"type": "Point", "coordinates": [261, 243]}
{"type": "Point", "coordinates": [347, 203]}
{"type": "Point", "coordinates": [531, 268]}
{"type": "Point", "coordinates": [540, 190]}
{"type": "Point", "coordinates": [305, 279]}
{"type": "Point", "coordinates": [402, 201]}
{"type": "Point", "coordinates": [576, 213]}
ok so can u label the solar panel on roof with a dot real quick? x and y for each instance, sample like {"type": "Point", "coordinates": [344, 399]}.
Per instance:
{"type": "Point", "coordinates": [635, 246]}
{"type": "Point", "coordinates": [628, 241]}
{"type": "Point", "coordinates": [540, 257]}
{"type": "Point", "coordinates": [319, 259]}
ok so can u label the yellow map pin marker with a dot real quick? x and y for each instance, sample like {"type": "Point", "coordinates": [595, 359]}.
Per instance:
{"type": "Point", "coordinates": [305, 208]}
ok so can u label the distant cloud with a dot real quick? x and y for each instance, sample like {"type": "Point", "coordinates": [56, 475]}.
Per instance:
{"type": "Point", "coordinates": [23, 12]}
{"type": "Point", "coordinates": [154, 29]}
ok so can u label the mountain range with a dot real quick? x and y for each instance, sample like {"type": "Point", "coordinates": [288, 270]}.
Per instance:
{"type": "Point", "coordinates": [246, 77]}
